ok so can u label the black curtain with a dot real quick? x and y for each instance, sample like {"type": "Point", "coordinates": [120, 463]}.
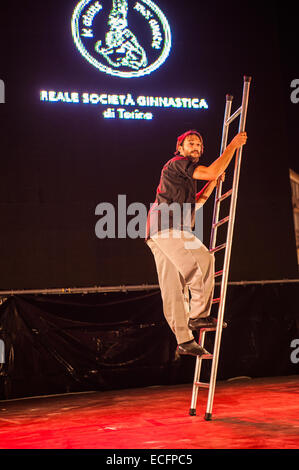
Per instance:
{"type": "Point", "coordinates": [71, 343]}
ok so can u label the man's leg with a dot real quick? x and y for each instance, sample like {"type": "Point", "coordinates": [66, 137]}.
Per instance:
{"type": "Point", "coordinates": [172, 287]}
{"type": "Point", "coordinates": [195, 264]}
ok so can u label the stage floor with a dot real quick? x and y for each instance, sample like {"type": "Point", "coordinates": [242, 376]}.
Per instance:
{"type": "Point", "coordinates": [247, 414]}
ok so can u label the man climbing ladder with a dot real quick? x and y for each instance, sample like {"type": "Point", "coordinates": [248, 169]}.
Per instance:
{"type": "Point", "coordinates": [181, 258]}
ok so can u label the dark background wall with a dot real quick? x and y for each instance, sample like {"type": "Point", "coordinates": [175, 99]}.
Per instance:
{"type": "Point", "coordinates": [59, 161]}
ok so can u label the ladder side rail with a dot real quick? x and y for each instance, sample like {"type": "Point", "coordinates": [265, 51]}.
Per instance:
{"type": "Point", "coordinates": [218, 193]}
{"type": "Point", "coordinates": [228, 106]}
{"type": "Point", "coordinates": [197, 372]}
{"type": "Point", "coordinates": [217, 342]}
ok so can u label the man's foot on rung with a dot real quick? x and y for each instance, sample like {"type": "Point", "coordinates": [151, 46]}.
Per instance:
{"type": "Point", "coordinates": [192, 348]}
{"type": "Point", "coordinates": [207, 322]}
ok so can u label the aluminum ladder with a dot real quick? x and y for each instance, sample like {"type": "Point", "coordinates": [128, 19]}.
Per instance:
{"type": "Point", "coordinates": [216, 223]}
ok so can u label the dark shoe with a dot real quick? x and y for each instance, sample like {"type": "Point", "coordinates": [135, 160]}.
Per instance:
{"type": "Point", "coordinates": [192, 348]}
{"type": "Point", "coordinates": [207, 322]}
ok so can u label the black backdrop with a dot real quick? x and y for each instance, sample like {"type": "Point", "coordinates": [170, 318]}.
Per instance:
{"type": "Point", "coordinates": [59, 161]}
{"type": "Point", "coordinates": [58, 344]}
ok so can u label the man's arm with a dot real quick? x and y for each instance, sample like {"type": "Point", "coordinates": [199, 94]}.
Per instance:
{"type": "Point", "coordinates": [207, 190]}
{"type": "Point", "coordinates": [213, 171]}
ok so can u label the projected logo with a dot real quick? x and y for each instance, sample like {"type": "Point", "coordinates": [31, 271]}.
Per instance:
{"type": "Point", "coordinates": [124, 38]}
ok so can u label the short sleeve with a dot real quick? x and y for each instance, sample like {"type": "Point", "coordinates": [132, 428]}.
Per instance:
{"type": "Point", "coordinates": [184, 166]}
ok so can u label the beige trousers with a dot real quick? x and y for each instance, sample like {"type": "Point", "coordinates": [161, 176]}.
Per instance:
{"type": "Point", "coordinates": [183, 265]}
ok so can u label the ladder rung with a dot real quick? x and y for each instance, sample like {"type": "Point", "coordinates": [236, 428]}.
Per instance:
{"type": "Point", "coordinates": [218, 273]}
{"type": "Point", "coordinates": [218, 248]}
{"type": "Point", "coordinates": [233, 116]}
{"type": "Point", "coordinates": [208, 328]}
{"type": "Point", "coordinates": [216, 301]}
{"type": "Point", "coordinates": [224, 196]}
{"type": "Point", "coordinates": [201, 384]}
{"type": "Point", "coordinates": [206, 356]}
{"type": "Point", "coordinates": [221, 222]}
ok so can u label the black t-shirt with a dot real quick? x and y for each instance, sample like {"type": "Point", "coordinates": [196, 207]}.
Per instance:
{"type": "Point", "coordinates": [177, 188]}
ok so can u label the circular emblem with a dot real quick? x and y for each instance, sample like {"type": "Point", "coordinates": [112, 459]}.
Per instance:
{"type": "Point", "coordinates": [125, 38]}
